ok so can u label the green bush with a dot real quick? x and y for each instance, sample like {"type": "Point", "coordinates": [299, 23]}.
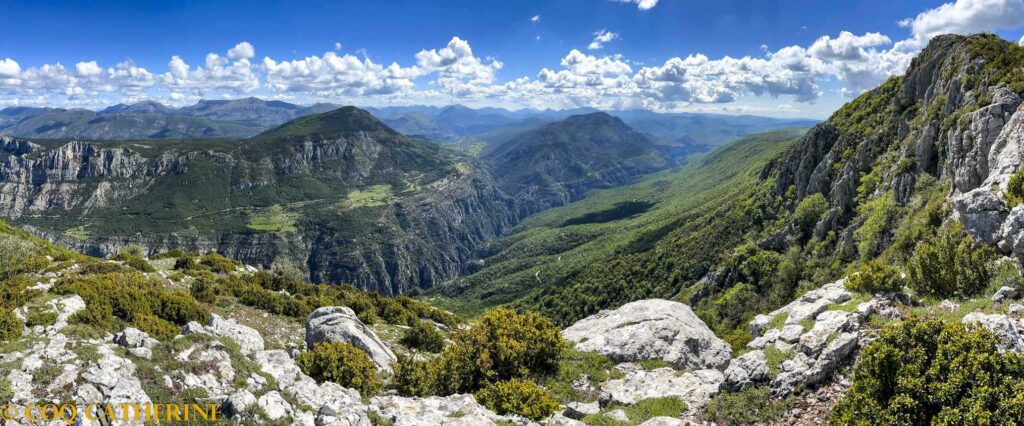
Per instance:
{"type": "Point", "coordinates": [881, 216]}
{"type": "Point", "coordinates": [412, 377]}
{"type": "Point", "coordinates": [640, 412]}
{"type": "Point", "coordinates": [179, 307]}
{"type": "Point", "coordinates": [139, 264]}
{"type": "Point", "coordinates": [185, 263]}
{"type": "Point", "coordinates": [95, 267]}
{"type": "Point", "coordinates": [204, 289]}
{"type": "Point", "coordinates": [423, 336]}
{"type": "Point", "coordinates": [170, 254]}
{"type": "Point", "coordinates": [43, 318]}
{"type": "Point", "coordinates": [501, 345]}
{"type": "Point", "coordinates": [875, 277]}
{"type": "Point", "coordinates": [130, 297]}
{"type": "Point", "coordinates": [19, 256]}
{"type": "Point", "coordinates": [808, 212]}
{"type": "Point", "coordinates": [218, 263]}
{"type": "Point", "coordinates": [752, 406]}
{"type": "Point", "coordinates": [341, 363]}
{"type": "Point", "coordinates": [923, 372]}
{"type": "Point", "coordinates": [10, 326]}
{"type": "Point", "coordinates": [950, 265]}
{"type": "Point", "coordinates": [521, 397]}
{"type": "Point", "coordinates": [1015, 189]}
{"type": "Point", "coordinates": [158, 328]}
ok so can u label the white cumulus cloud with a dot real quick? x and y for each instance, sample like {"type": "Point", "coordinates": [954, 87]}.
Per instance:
{"type": "Point", "coordinates": [966, 17]}
{"type": "Point", "coordinates": [600, 38]}
{"type": "Point", "coordinates": [642, 4]}
{"type": "Point", "coordinates": [9, 68]}
{"type": "Point", "coordinates": [242, 50]}
{"type": "Point", "coordinates": [88, 69]}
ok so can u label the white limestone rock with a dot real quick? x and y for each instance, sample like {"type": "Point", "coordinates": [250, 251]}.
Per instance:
{"type": "Point", "coordinates": [132, 337]}
{"type": "Point", "coordinates": [746, 370]}
{"type": "Point", "coordinates": [1008, 329]}
{"type": "Point", "coordinates": [454, 410]}
{"type": "Point", "coordinates": [695, 388]}
{"type": "Point", "coordinates": [340, 324]}
{"type": "Point", "coordinates": [652, 329]}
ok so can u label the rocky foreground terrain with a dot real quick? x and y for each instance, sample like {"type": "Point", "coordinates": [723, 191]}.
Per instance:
{"type": "Point", "coordinates": [243, 359]}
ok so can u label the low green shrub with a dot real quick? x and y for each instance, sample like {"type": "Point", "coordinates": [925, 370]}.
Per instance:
{"type": "Point", "coordinates": [640, 412]}
{"type": "Point", "coordinates": [752, 406]}
{"type": "Point", "coordinates": [204, 289]}
{"type": "Point", "coordinates": [411, 377]}
{"type": "Point", "coordinates": [949, 265]}
{"type": "Point", "coordinates": [130, 297]}
{"type": "Point", "coordinates": [43, 318]}
{"type": "Point", "coordinates": [341, 363]}
{"type": "Point", "coordinates": [875, 277]}
{"type": "Point", "coordinates": [18, 256]}
{"type": "Point", "coordinates": [517, 396]}
{"type": "Point", "coordinates": [1015, 189]}
{"type": "Point", "coordinates": [502, 345]}
{"type": "Point", "coordinates": [156, 327]}
{"type": "Point", "coordinates": [218, 263]}
{"type": "Point", "coordinates": [923, 372]}
{"type": "Point", "coordinates": [185, 263]}
{"type": "Point", "coordinates": [10, 326]}
{"type": "Point", "coordinates": [139, 264]}
{"type": "Point", "coordinates": [423, 336]}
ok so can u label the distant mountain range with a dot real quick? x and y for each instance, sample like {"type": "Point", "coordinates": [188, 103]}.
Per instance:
{"type": "Point", "coordinates": [449, 124]}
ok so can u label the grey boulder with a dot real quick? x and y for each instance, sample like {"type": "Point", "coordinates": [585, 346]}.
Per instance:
{"type": "Point", "coordinates": [652, 329]}
{"type": "Point", "coordinates": [340, 324]}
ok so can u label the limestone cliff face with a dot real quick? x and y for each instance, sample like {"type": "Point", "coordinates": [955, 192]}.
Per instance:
{"type": "Point", "coordinates": [952, 116]}
{"type": "Point", "coordinates": [433, 209]}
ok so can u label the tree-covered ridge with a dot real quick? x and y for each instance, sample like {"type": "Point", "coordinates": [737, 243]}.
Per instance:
{"type": "Point", "coordinates": [624, 244]}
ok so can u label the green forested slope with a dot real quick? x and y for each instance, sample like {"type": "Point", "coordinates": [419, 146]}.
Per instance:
{"type": "Point", "coordinates": [627, 243]}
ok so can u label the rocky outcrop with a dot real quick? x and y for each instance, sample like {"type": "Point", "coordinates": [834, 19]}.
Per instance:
{"type": "Point", "coordinates": [329, 401]}
{"type": "Point", "coordinates": [652, 329]}
{"type": "Point", "coordinates": [805, 307]}
{"type": "Point", "coordinates": [340, 324]}
{"type": "Point", "coordinates": [112, 380]}
{"type": "Point", "coordinates": [454, 410]}
{"type": "Point", "coordinates": [248, 339]}
{"type": "Point", "coordinates": [971, 149]}
{"type": "Point", "coordinates": [695, 388]}
{"type": "Point", "coordinates": [132, 337]}
{"type": "Point", "coordinates": [746, 370]}
{"type": "Point", "coordinates": [816, 352]}
{"type": "Point", "coordinates": [1009, 329]}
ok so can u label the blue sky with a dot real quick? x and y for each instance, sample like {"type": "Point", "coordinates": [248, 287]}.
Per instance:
{"type": "Point", "coordinates": [477, 53]}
